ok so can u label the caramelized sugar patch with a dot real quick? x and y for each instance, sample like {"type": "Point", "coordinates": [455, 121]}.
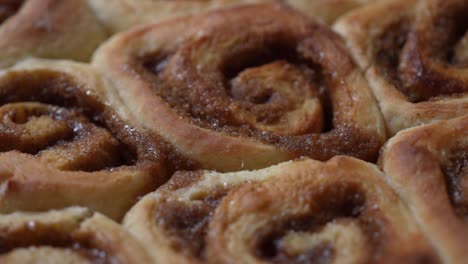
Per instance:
{"type": "Point", "coordinates": [244, 82]}
{"type": "Point", "coordinates": [420, 57]}
{"type": "Point", "coordinates": [187, 224]}
{"type": "Point", "coordinates": [49, 115]}
{"type": "Point", "coordinates": [36, 236]}
{"type": "Point", "coordinates": [238, 88]}
{"type": "Point", "coordinates": [271, 87]}
{"type": "Point", "coordinates": [181, 180]}
{"type": "Point", "coordinates": [9, 8]}
{"type": "Point", "coordinates": [447, 32]}
{"type": "Point", "coordinates": [340, 205]}
{"type": "Point", "coordinates": [388, 48]}
{"type": "Point", "coordinates": [271, 80]}
{"type": "Point", "coordinates": [271, 249]}
{"type": "Point", "coordinates": [456, 176]}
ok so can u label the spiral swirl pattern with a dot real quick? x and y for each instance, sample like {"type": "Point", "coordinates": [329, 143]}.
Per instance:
{"type": "Point", "coordinates": [72, 235]}
{"type": "Point", "coordinates": [245, 88]}
{"type": "Point", "coordinates": [72, 147]}
{"type": "Point", "coordinates": [340, 211]}
{"type": "Point", "coordinates": [429, 167]}
{"type": "Point", "coordinates": [415, 58]}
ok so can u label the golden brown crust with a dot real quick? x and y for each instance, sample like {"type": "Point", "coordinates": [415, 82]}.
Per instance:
{"type": "Point", "coordinates": [339, 211]}
{"type": "Point", "coordinates": [245, 88]}
{"type": "Point", "coordinates": [64, 29]}
{"type": "Point", "coordinates": [413, 55]}
{"type": "Point", "coordinates": [230, 85]}
{"type": "Point", "coordinates": [428, 166]}
{"type": "Point", "coordinates": [172, 221]}
{"type": "Point", "coordinates": [327, 10]}
{"type": "Point", "coordinates": [72, 235]}
{"type": "Point", "coordinates": [119, 15]}
{"type": "Point", "coordinates": [73, 148]}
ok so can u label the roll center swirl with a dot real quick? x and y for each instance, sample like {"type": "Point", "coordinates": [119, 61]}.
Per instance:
{"type": "Point", "coordinates": [324, 234]}
{"type": "Point", "coordinates": [426, 57]}
{"type": "Point", "coordinates": [46, 116]}
{"type": "Point", "coordinates": [265, 80]}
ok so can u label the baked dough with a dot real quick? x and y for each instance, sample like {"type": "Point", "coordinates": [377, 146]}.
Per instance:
{"type": "Point", "coordinates": [61, 144]}
{"type": "Point", "coordinates": [428, 166]}
{"type": "Point", "coordinates": [339, 211]}
{"type": "Point", "coordinates": [119, 15]}
{"type": "Point", "coordinates": [245, 88]}
{"type": "Point", "coordinates": [414, 57]}
{"type": "Point", "coordinates": [73, 235]}
{"type": "Point", "coordinates": [56, 29]}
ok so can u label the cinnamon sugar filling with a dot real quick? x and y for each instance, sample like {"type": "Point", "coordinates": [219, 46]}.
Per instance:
{"type": "Point", "coordinates": [246, 80]}
{"type": "Point", "coordinates": [8, 8]}
{"type": "Point", "coordinates": [421, 57]}
{"type": "Point", "coordinates": [36, 237]}
{"type": "Point", "coordinates": [48, 115]}
{"type": "Point", "coordinates": [338, 205]}
{"type": "Point", "coordinates": [187, 224]}
{"type": "Point", "coordinates": [254, 89]}
{"type": "Point", "coordinates": [456, 176]}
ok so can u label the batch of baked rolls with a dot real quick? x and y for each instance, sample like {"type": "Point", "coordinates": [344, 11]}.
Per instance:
{"type": "Point", "coordinates": [233, 131]}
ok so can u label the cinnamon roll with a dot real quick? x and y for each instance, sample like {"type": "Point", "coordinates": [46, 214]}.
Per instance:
{"type": "Point", "coordinates": [61, 144]}
{"type": "Point", "coordinates": [119, 15]}
{"type": "Point", "coordinates": [326, 10]}
{"type": "Point", "coordinates": [415, 57]}
{"type": "Point", "coordinates": [73, 235]}
{"type": "Point", "coordinates": [244, 88]}
{"type": "Point", "coordinates": [340, 211]}
{"type": "Point", "coordinates": [65, 29]}
{"type": "Point", "coordinates": [428, 165]}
